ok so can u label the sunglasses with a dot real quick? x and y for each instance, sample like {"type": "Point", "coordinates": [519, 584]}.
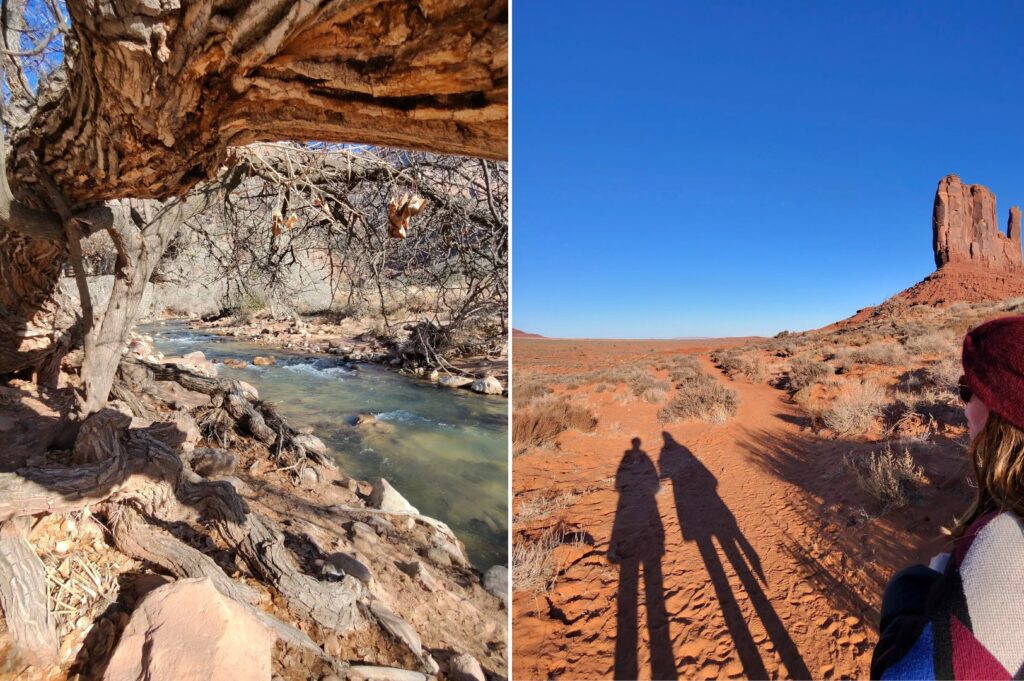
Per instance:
{"type": "Point", "coordinates": [965, 391]}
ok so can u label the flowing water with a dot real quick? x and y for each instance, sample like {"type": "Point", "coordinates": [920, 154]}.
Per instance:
{"type": "Point", "coordinates": [444, 450]}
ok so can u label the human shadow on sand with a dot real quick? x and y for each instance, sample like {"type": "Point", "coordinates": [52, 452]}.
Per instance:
{"type": "Point", "coordinates": [638, 539]}
{"type": "Point", "coordinates": [704, 518]}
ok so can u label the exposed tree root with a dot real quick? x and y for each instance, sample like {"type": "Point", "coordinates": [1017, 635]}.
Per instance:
{"type": "Point", "coordinates": [23, 597]}
{"type": "Point", "coordinates": [133, 536]}
{"type": "Point", "coordinates": [141, 485]}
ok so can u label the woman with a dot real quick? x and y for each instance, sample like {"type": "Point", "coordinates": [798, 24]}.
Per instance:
{"type": "Point", "coordinates": [963, 616]}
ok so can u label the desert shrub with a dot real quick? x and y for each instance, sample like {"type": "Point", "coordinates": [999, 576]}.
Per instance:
{"type": "Point", "coordinates": [538, 424]}
{"type": "Point", "coordinates": [706, 400]}
{"type": "Point", "coordinates": [880, 354]}
{"type": "Point", "coordinates": [805, 372]}
{"type": "Point", "coordinates": [685, 370]}
{"type": "Point", "coordinates": [540, 507]}
{"type": "Point", "coordinates": [653, 395]}
{"type": "Point", "coordinates": [855, 411]}
{"type": "Point", "coordinates": [887, 477]}
{"type": "Point", "coordinates": [533, 568]}
{"type": "Point", "coordinates": [944, 374]}
{"type": "Point", "coordinates": [959, 308]}
{"type": "Point", "coordinates": [528, 387]}
{"type": "Point", "coordinates": [934, 343]}
{"type": "Point", "coordinates": [569, 380]}
{"type": "Point", "coordinates": [735, 362]}
{"type": "Point", "coordinates": [647, 387]}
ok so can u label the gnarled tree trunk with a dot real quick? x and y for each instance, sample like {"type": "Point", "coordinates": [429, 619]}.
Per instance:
{"type": "Point", "coordinates": [153, 97]}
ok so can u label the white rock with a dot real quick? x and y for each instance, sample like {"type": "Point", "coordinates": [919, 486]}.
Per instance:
{"type": "Point", "coordinates": [454, 381]}
{"type": "Point", "coordinates": [362, 672]}
{"type": "Point", "coordinates": [496, 582]}
{"type": "Point", "coordinates": [311, 443]}
{"type": "Point", "coordinates": [488, 385]}
{"type": "Point", "coordinates": [386, 498]}
{"type": "Point", "coordinates": [249, 390]}
{"type": "Point", "coordinates": [465, 667]}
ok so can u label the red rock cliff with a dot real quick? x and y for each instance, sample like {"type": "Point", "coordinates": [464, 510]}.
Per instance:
{"type": "Point", "coordinates": [965, 231]}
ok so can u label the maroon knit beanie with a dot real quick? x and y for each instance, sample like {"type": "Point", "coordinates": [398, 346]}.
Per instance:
{"type": "Point", "coordinates": [993, 360]}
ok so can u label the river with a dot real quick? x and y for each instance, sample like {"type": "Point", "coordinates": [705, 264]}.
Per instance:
{"type": "Point", "coordinates": [445, 450]}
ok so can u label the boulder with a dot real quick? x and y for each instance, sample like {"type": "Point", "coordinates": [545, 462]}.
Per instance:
{"type": "Point", "coordinates": [221, 640]}
{"type": "Point", "coordinates": [207, 461]}
{"type": "Point", "coordinates": [465, 667]}
{"type": "Point", "coordinates": [249, 390]}
{"type": "Point", "coordinates": [397, 627]}
{"type": "Point", "coordinates": [235, 363]}
{"type": "Point", "coordinates": [261, 361]}
{"type": "Point", "coordinates": [351, 564]}
{"type": "Point", "coordinates": [488, 385]}
{"type": "Point", "coordinates": [386, 498]}
{"type": "Point", "coordinates": [419, 572]}
{"type": "Point", "coordinates": [454, 381]}
{"type": "Point", "coordinates": [496, 582]}
{"type": "Point", "coordinates": [965, 229]}
{"type": "Point", "coordinates": [312, 444]}
{"type": "Point", "coordinates": [363, 672]}
{"type": "Point", "coordinates": [202, 367]}
{"type": "Point", "coordinates": [308, 477]}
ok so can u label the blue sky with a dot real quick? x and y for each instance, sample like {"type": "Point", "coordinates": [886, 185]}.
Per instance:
{"type": "Point", "coordinates": [727, 168]}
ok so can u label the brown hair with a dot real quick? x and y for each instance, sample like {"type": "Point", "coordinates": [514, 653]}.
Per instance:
{"type": "Point", "coordinates": [997, 454]}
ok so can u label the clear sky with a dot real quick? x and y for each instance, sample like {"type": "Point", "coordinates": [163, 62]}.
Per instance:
{"type": "Point", "coordinates": [728, 168]}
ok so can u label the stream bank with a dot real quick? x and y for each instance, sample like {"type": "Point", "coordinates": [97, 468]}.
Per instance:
{"type": "Point", "coordinates": [444, 450]}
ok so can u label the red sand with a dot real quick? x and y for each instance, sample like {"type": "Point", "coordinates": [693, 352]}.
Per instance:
{"type": "Point", "coordinates": [770, 569]}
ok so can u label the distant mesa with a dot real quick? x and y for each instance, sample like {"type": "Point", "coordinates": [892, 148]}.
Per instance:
{"type": "Point", "coordinates": [975, 260]}
{"type": "Point", "coordinates": [516, 333]}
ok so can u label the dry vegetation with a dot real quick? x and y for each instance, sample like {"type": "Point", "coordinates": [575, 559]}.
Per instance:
{"type": "Point", "coordinates": [888, 379]}
{"type": "Point", "coordinates": [887, 478]}
{"type": "Point", "coordinates": [698, 395]}
{"type": "Point", "coordinates": [545, 419]}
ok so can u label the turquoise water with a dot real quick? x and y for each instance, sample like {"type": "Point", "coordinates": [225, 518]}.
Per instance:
{"type": "Point", "coordinates": [444, 450]}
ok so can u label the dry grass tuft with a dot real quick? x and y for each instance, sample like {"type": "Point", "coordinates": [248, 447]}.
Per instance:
{"type": "Point", "coordinates": [880, 354]}
{"type": "Point", "coordinates": [699, 396]}
{"type": "Point", "coordinates": [540, 507]}
{"type": "Point", "coordinates": [806, 372]}
{"type": "Point", "coordinates": [933, 343]}
{"type": "Point", "coordinates": [538, 424]}
{"type": "Point", "coordinates": [533, 569]}
{"type": "Point", "coordinates": [735, 362]}
{"type": "Point", "coordinates": [534, 565]}
{"type": "Point", "coordinates": [855, 411]}
{"type": "Point", "coordinates": [944, 374]}
{"type": "Point", "coordinates": [887, 477]}
{"type": "Point", "coordinates": [527, 387]}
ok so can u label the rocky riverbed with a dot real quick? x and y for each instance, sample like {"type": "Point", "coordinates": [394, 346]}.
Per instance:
{"type": "Point", "coordinates": [329, 576]}
{"type": "Point", "coordinates": [353, 340]}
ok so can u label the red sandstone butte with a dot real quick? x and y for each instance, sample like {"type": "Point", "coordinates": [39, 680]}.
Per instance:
{"type": "Point", "coordinates": [965, 230]}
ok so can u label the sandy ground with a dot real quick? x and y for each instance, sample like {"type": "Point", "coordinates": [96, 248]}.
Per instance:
{"type": "Point", "coordinates": [740, 550]}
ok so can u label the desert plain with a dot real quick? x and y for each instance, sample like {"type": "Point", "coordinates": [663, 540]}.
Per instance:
{"type": "Point", "coordinates": [733, 508]}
